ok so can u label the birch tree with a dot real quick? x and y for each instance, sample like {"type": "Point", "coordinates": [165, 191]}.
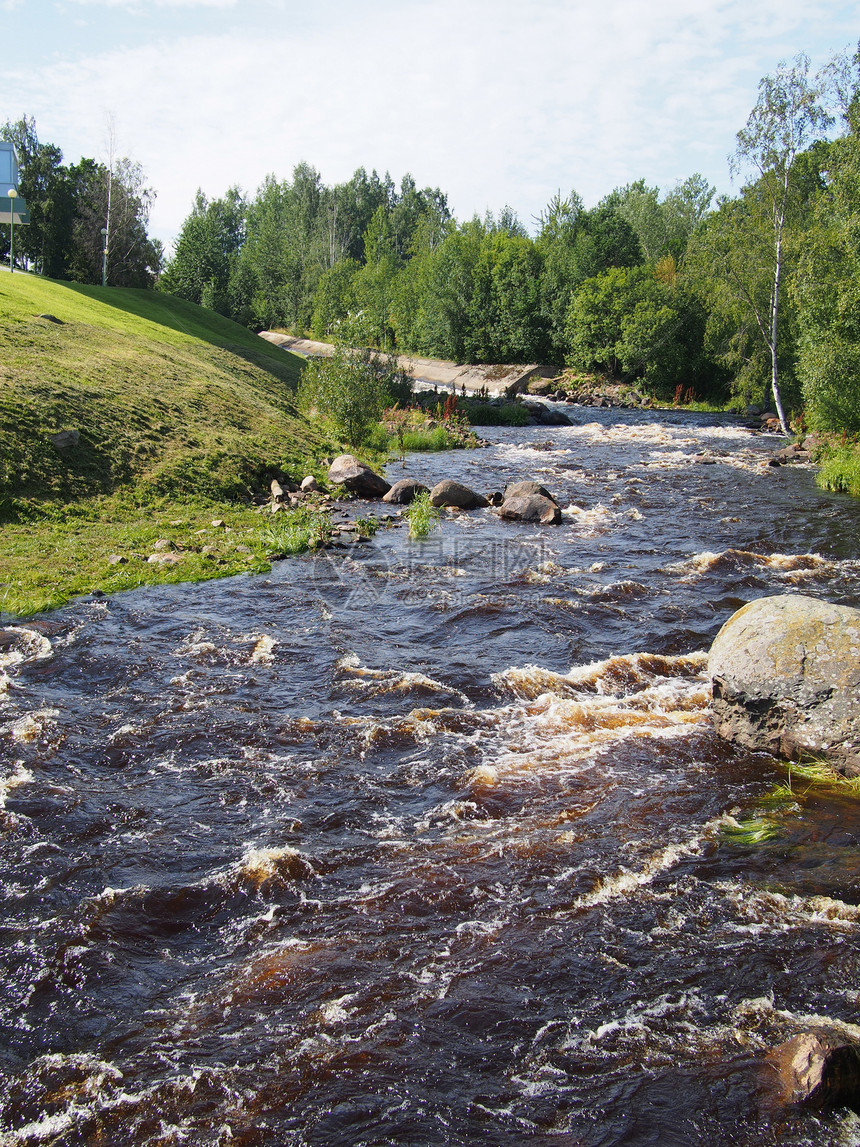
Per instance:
{"type": "Point", "coordinates": [788, 116]}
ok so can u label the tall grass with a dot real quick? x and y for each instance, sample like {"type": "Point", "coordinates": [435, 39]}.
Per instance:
{"type": "Point", "coordinates": [840, 471]}
{"type": "Point", "coordinates": [422, 515]}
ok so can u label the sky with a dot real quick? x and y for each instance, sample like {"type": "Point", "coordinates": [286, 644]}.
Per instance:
{"type": "Point", "coordinates": [497, 102]}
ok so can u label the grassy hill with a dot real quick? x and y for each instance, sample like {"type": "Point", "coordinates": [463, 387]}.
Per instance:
{"type": "Point", "coordinates": [179, 414]}
{"type": "Point", "coordinates": [161, 392]}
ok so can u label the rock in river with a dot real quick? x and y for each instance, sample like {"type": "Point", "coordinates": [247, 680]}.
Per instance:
{"type": "Point", "coordinates": [528, 490]}
{"type": "Point", "coordinates": [786, 678]}
{"type": "Point", "coordinates": [404, 492]}
{"type": "Point", "coordinates": [819, 1069]}
{"type": "Point", "coordinates": [531, 508]}
{"type": "Point", "coordinates": [448, 493]}
{"type": "Point", "coordinates": [346, 470]}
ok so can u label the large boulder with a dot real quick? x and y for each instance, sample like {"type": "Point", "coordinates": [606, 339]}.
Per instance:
{"type": "Point", "coordinates": [404, 492]}
{"type": "Point", "coordinates": [786, 678]}
{"type": "Point", "coordinates": [527, 490]}
{"type": "Point", "coordinates": [449, 493]}
{"type": "Point", "coordinates": [346, 470]}
{"type": "Point", "coordinates": [531, 508]}
{"type": "Point", "coordinates": [546, 415]}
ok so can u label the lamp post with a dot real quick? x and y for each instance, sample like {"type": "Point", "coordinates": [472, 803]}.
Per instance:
{"type": "Point", "coordinates": [13, 195]}
{"type": "Point", "coordinates": [104, 256]}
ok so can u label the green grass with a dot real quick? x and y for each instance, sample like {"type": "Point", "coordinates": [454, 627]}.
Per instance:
{"type": "Point", "coordinates": [771, 819]}
{"type": "Point", "coordinates": [422, 516]}
{"type": "Point", "coordinates": [166, 396]}
{"type": "Point", "coordinates": [181, 416]}
{"type": "Point", "coordinates": [840, 471]}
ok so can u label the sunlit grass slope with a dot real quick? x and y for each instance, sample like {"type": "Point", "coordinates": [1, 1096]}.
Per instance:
{"type": "Point", "coordinates": [163, 394]}
{"type": "Point", "coordinates": [179, 413]}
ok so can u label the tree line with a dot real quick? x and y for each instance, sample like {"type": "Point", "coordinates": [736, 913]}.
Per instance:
{"type": "Point", "coordinates": [71, 206]}
{"type": "Point", "coordinates": [751, 297]}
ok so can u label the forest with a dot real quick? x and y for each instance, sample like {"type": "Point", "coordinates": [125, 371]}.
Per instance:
{"type": "Point", "coordinates": [691, 297]}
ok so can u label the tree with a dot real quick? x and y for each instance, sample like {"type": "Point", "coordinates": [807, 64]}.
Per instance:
{"type": "Point", "coordinates": [638, 323]}
{"type": "Point", "coordinates": [49, 191]}
{"type": "Point", "coordinates": [353, 386]}
{"type": "Point", "coordinates": [788, 116]}
{"type": "Point", "coordinates": [134, 259]}
{"type": "Point", "coordinates": [828, 288]}
{"type": "Point", "coordinates": [204, 263]}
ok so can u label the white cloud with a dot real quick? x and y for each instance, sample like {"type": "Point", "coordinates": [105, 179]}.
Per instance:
{"type": "Point", "coordinates": [500, 102]}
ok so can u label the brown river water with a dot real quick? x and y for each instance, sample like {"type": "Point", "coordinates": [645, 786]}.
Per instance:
{"type": "Point", "coordinates": [431, 842]}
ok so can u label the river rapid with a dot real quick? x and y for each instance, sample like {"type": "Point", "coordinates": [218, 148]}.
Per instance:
{"type": "Point", "coordinates": [431, 842]}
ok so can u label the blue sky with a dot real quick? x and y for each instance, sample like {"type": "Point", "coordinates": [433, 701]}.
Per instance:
{"type": "Point", "coordinates": [495, 101]}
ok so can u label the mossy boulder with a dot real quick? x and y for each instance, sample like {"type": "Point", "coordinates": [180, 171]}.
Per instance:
{"type": "Point", "coordinates": [786, 678]}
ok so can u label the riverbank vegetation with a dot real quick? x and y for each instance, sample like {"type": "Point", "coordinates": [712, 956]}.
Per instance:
{"type": "Point", "coordinates": [744, 300]}
{"type": "Point", "coordinates": [127, 418]}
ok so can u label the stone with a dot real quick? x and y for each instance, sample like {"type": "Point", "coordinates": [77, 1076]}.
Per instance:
{"type": "Point", "coordinates": [162, 545]}
{"type": "Point", "coordinates": [531, 508]}
{"type": "Point", "coordinates": [218, 523]}
{"type": "Point", "coordinates": [164, 559]}
{"type": "Point", "coordinates": [117, 560]}
{"type": "Point", "coordinates": [66, 439]}
{"type": "Point", "coordinates": [527, 490]}
{"type": "Point", "coordinates": [404, 492]}
{"type": "Point", "coordinates": [792, 453]}
{"type": "Point", "coordinates": [546, 415]}
{"type": "Point", "coordinates": [346, 470]}
{"type": "Point", "coordinates": [310, 485]}
{"type": "Point", "coordinates": [819, 1069]}
{"type": "Point", "coordinates": [786, 679]}
{"type": "Point", "coordinates": [244, 550]}
{"type": "Point", "coordinates": [538, 385]}
{"type": "Point", "coordinates": [449, 493]}
{"type": "Point", "coordinates": [277, 490]}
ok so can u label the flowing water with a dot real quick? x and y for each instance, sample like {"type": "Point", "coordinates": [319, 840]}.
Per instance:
{"type": "Point", "coordinates": [431, 842]}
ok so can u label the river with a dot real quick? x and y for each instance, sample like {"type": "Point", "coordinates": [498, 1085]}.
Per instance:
{"type": "Point", "coordinates": [431, 842]}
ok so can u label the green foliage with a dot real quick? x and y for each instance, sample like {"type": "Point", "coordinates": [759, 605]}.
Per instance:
{"type": "Point", "coordinates": [828, 292]}
{"type": "Point", "coordinates": [840, 471]}
{"type": "Point", "coordinates": [631, 324]}
{"type": "Point", "coordinates": [207, 251]}
{"type": "Point", "coordinates": [295, 531]}
{"type": "Point", "coordinates": [353, 386]}
{"type": "Point", "coordinates": [488, 414]}
{"type": "Point", "coordinates": [68, 208]}
{"type": "Point", "coordinates": [422, 516]}
{"type": "Point", "coordinates": [334, 297]}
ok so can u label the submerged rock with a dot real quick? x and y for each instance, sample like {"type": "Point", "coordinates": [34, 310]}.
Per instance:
{"type": "Point", "coordinates": [786, 678]}
{"type": "Point", "coordinates": [819, 1069]}
{"type": "Point", "coordinates": [346, 470]}
{"type": "Point", "coordinates": [449, 493]}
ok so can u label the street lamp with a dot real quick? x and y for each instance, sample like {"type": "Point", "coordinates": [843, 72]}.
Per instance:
{"type": "Point", "coordinates": [13, 195]}
{"type": "Point", "coordinates": [104, 256]}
